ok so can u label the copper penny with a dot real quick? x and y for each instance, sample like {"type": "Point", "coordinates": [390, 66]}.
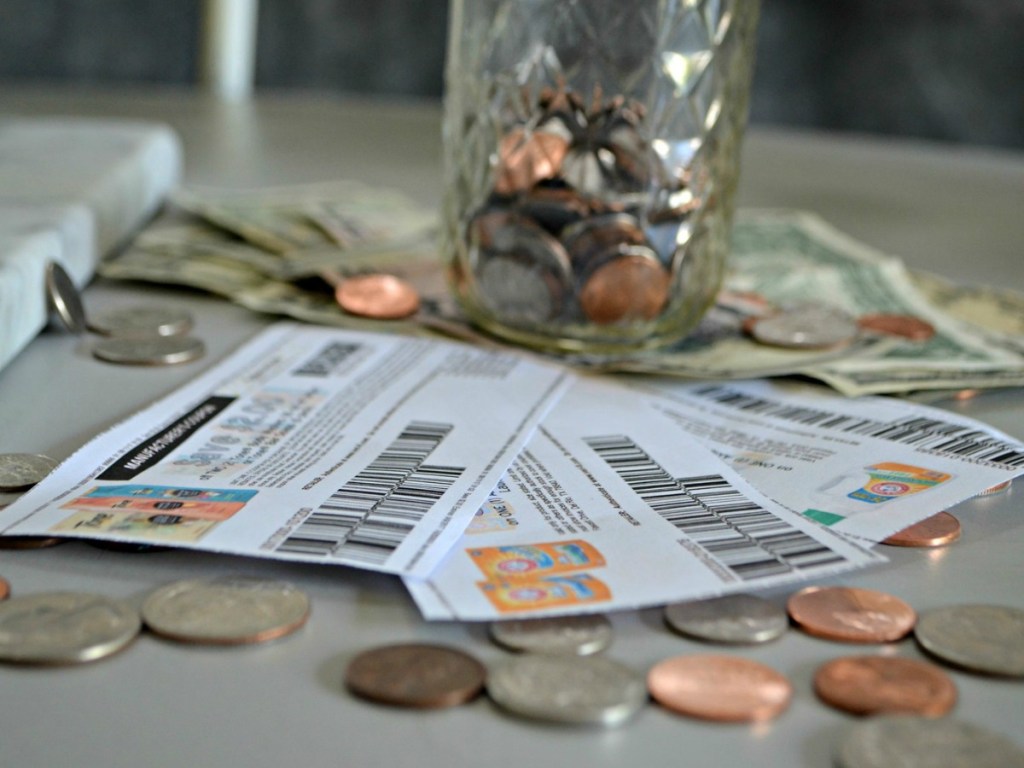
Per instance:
{"type": "Point", "coordinates": [632, 286]}
{"type": "Point", "coordinates": [416, 675]}
{"type": "Point", "coordinates": [935, 531]}
{"type": "Point", "coordinates": [378, 296]}
{"type": "Point", "coordinates": [526, 157]}
{"type": "Point", "coordinates": [29, 542]}
{"type": "Point", "coordinates": [850, 614]}
{"type": "Point", "coordinates": [5, 589]}
{"type": "Point", "coordinates": [904, 326]}
{"type": "Point", "coordinates": [997, 488]}
{"type": "Point", "coordinates": [722, 688]}
{"type": "Point", "coordinates": [870, 685]}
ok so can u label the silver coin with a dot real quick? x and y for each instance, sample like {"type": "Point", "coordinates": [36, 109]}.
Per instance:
{"type": "Point", "coordinates": [567, 689]}
{"type": "Point", "coordinates": [810, 326]}
{"type": "Point", "coordinates": [982, 638]}
{"type": "Point", "coordinates": [142, 321]}
{"type": "Point", "coordinates": [569, 635]}
{"type": "Point", "coordinates": [728, 619]}
{"type": "Point", "coordinates": [225, 611]}
{"type": "Point", "coordinates": [159, 350]}
{"type": "Point", "coordinates": [917, 742]}
{"type": "Point", "coordinates": [64, 627]}
{"type": "Point", "coordinates": [20, 471]}
{"type": "Point", "coordinates": [64, 299]}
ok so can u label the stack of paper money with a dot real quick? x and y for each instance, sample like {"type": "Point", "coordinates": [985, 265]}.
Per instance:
{"type": "Point", "coordinates": [265, 250]}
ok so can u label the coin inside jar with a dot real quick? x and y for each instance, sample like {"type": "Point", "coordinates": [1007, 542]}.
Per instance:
{"type": "Point", "coordinates": [868, 685]}
{"type": "Point", "coordinates": [935, 531]}
{"type": "Point", "coordinates": [158, 350]}
{"type": "Point", "coordinates": [851, 614]}
{"type": "Point", "coordinates": [378, 296]}
{"type": "Point", "coordinates": [526, 157]}
{"type": "Point", "coordinates": [626, 285]}
{"type": "Point", "coordinates": [415, 675]}
{"type": "Point", "coordinates": [720, 688]}
{"type": "Point", "coordinates": [573, 635]}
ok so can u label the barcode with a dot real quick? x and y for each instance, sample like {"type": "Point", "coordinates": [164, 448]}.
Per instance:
{"type": "Point", "coordinates": [327, 360]}
{"type": "Point", "coordinates": [369, 517]}
{"type": "Point", "coordinates": [928, 434]}
{"type": "Point", "coordinates": [747, 539]}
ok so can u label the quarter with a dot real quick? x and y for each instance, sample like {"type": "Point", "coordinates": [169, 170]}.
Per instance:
{"type": "Point", "coordinates": [572, 635]}
{"type": "Point", "coordinates": [142, 321]}
{"type": "Point", "coordinates": [728, 619]}
{"type": "Point", "coordinates": [63, 298]}
{"type": "Point", "coordinates": [225, 611]}
{"type": "Point", "coordinates": [810, 326]}
{"type": "Point", "coordinates": [981, 638]}
{"type": "Point", "coordinates": [850, 614]}
{"type": "Point", "coordinates": [159, 350]}
{"type": "Point", "coordinates": [20, 471]}
{"type": "Point", "coordinates": [870, 685]}
{"type": "Point", "coordinates": [416, 675]}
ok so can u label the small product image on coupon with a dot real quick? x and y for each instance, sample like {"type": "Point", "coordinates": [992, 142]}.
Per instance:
{"type": "Point", "coordinates": [531, 561]}
{"type": "Point", "coordinates": [547, 592]}
{"type": "Point", "coordinates": [885, 481]}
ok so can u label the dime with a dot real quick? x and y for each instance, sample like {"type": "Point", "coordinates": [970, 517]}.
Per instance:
{"type": "Point", "coordinates": [29, 542]}
{"type": "Point", "coordinates": [142, 321]}
{"type": "Point", "coordinates": [158, 350]}
{"type": "Point", "coordinates": [904, 326]}
{"type": "Point", "coordinates": [850, 614]}
{"type": "Point", "coordinates": [416, 675]}
{"type": "Point", "coordinates": [914, 742]}
{"type": "Point", "coordinates": [728, 619]}
{"type": "Point", "coordinates": [63, 298]}
{"type": "Point", "coordinates": [997, 488]}
{"type": "Point", "coordinates": [225, 611]}
{"type": "Point", "coordinates": [720, 688]}
{"type": "Point", "coordinates": [567, 689]}
{"type": "Point", "coordinates": [627, 286]}
{"type": "Point", "coordinates": [981, 638]}
{"type": "Point", "coordinates": [935, 531]}
{"type": "Point", "coordinates": [64, 627]}
{"type": "Point", "coordinates": [20, 471]}
{"type": "Point", "coordinates": [571, 635]}
{"type": "Point", "coordinates": [378, 296]}
{"type": "Point", "coordinates": [869, 685]}
{"type": "Point", "coordinates": [810, 326]}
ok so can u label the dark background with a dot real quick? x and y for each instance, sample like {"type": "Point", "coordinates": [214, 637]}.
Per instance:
{"type": "Point", "coordinates": [943, 70]}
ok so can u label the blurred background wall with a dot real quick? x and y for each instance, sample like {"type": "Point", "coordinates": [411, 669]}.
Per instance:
{"type": "Point", "coordinates": [944, 70]}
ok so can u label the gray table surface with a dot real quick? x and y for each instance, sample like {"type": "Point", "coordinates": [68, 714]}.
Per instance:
{"type": "Point", "coordinates": [953, 211]}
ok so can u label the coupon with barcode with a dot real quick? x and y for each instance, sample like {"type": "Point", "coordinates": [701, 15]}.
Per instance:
{"type": "Point", "coordinates": [867, 466]}
{"type": "Point", "coordinates": [311, 444]}
{"type": "Point", "coordinates": [610, 506]}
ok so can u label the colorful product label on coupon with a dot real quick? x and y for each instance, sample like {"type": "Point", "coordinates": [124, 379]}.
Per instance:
{"type": "Point", "coordinates": [547, 592]}
{"type": "Point", "coordinates": [171, 493]}
{"type": "Point", "coordinates": [156, 527]}
{"type": "Point", "coordinates": [531, 561]}
{"type": "Point", "coordinates": [889, 480]}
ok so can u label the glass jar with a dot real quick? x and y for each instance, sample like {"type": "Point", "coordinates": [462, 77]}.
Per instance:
{"type": "Point", "coordinates": [591, 159]}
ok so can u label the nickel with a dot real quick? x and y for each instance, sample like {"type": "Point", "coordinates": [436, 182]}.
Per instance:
{"type": "Point", "coordinates": [63, 298]}
{"type": "Point", "coordinates": [981, 638]}
{"type": "Point", "coordinates": [728, 619]}
{"type": "Point", "coordinates": [850, 614]}
{"type": "Point", "coordinates": [571, 635]}
{"type": "Point", "coordinates": [159, 350]}
{"type": "Point", "coordinates": [870, 685]}
{"type": "Point", "coordinates": [20, 471]}
{"type": "Point", "coordinates": [810, 326]}
{"type": "Point", "coordinates": [142, 321]}
{"type": "Point", "coordinates": [416, 675]}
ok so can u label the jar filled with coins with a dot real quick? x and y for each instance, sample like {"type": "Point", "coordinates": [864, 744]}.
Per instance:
{"type": "Point", "coordinates": [591, 160]}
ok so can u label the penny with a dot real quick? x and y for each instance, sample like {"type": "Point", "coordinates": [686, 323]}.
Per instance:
{"type": "Point", "coordinates": [981, 638]}
{"type": "Point", "coordinates": [527, 157]}
{"type": "Point", "coordinates": [29, 542]}
{"type": "Point", "coordinates": [589, 690]}
{"type": "Point", "coordinates": [415, 675]}
{"type": "Point", "coordinates": [850, 614]}
{"type": "Point", "coordinates": [810, 326]}
{"type": "Point", "coordinates": [904, 326]}
{"type": "Point", "coordinates": [632, 285]}
{"type": "Point", "coordinates": [721, 688]}
{"type": "Point", "coordinates": [157, 350]}
{"type": "Point", "coordinates": [225, 611]}
{"type": "Point", "coordinates": [142, 321]}
{"type": "Point", "coordinates": [63, 298]}
{"type": "Point", "coordinates": [20, 471]}
{"type": "Point", "coordinates": [997, 488]}
{"type": "Point", "coordinates": [915, 742]}
{"type": "Point", "coordinates": [728, 619]}
{"type": "Point", "coordinates": [64, 627]}
{"type": "Point", "coordinates": [935, 531]}
{"type": "Point", "coordinates": [5, 589]}
{"type": "Point", "coordinates": [377, 296]}
{"type": "Point", "coordinates": [870, 685]}
{"type": "Point", "coordinates": [572, 635]}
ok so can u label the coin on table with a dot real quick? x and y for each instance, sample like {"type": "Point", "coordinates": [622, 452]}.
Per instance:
{"type": "Point", "coordinates": [810, 326]}
{"type": "Point", "coordinates": [378, 296]}
{"type": "Point", "coordinates": [571, 635]}
{"type": "Point", "coordinates": [935, 531]}
{"type": "Point", "coordinates": [981, 638]}
{"type": "Point", "coordinates": [728, 619]}
{"type": "Point", "coordinates": [63, 298]}
{"type": "Point", "coordinates": [142, 321]}
{"type": "Point", "coordinates": [157, 350]}
{"type": "Point", "coordinates": [850, 614]}
{"type": "Point", "coordinates": [5, 589]}
{"type": "Point", "coordinates": [418, 675]}
{"type": "Point", "coordinates": [904, 326]}
{"type": "Point", "coordinates": [20, 471]}
{"type": "Point", "coordinates": [916, 742]}
{"type": "Point", "coordinates": [230, 610]}
{"type": "Point", "coordinates": [721, 688]}
{"type": "Point", "coordinates": [870, 685]}
{"type": "Point", "coordinates": [64, 627]}
{"type": "Point", "coordinates": [997, 488]}
{"type": "Point", "coordinates": [587, 690]}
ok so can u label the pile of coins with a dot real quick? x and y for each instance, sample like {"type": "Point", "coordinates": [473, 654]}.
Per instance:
{"type": "Point", "coordinates": [569, 233]}
{"type": "Point", "coordinates": [142, 335]}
